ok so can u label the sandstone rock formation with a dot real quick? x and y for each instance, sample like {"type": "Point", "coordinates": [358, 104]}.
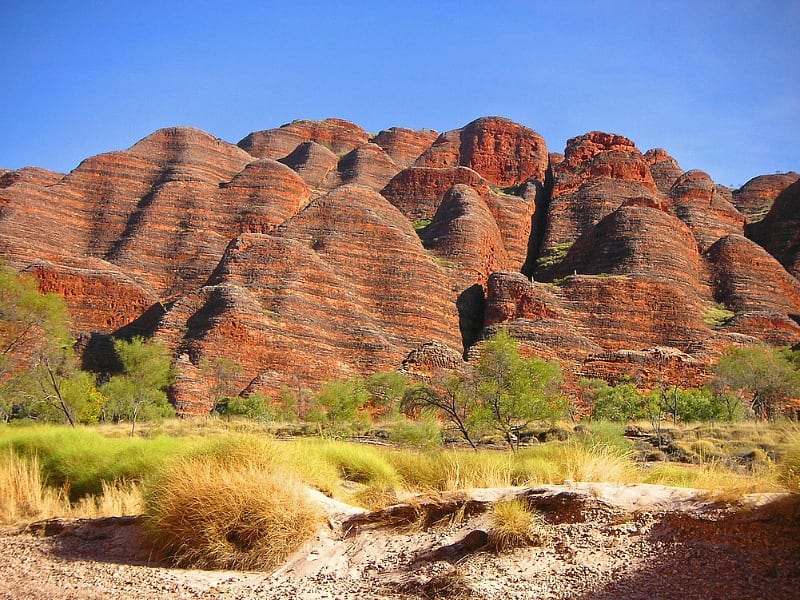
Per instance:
{"type": "Point", "coordinates": [664, 169]}
{"type": "Point", "coordinates": [313, 299]}
{"type": "Point", "coordinates": [338, 135]}
{"type": "Point", "coordinates": [708, 214]}
{"type": "Point", "coordinates": [404, 146]}
{"type": "Point", "coordinates": [501, 151]}
{"type": "Point", "coordinates": [779, 231]}
{"type": "Point", "coordinates": [314, 250]}
{"type": "Point", "coordinates": [755, 197]}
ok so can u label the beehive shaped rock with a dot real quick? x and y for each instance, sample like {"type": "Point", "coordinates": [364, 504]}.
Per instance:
{"type": "Point", "coordinates": [599, 173]}
{"type": "Point", "coordinates": [367, 165]}
{"type": "Point", "coordinates": [708, 213]}
{"type": "Point", "coordinates": [779, 231]}
{"type": "Point", "coordinates": [663, 167]}
{"type": "Point", "coordinates": [755, 198]}
{"type": "Point", "coordinates": [404, 146]}
{"type": "Point", "coordinates": [338, 135]}
{"type": "Point", "coordinates": [315, 164]}
{"type": "Point", "coordinates": [314, 299]}
{"type": "Point", "coordinates": [504, 153]}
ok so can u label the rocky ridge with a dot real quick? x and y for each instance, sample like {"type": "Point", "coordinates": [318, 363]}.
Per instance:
{"type": "Point", "coordinates": [317, 249]}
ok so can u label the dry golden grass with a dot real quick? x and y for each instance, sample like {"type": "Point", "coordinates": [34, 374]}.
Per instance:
{"type": "Point", "coordinates": [228, 514]}
{"type": "Point", "coordinates": [23, 495]}
{"type": "Point", "coordinates": [515, 525]}
{"type": "Point", "coordinates": [721, 483]}
{"type": "Point", "coordinates": [118, 499]}
{"type": "Point", "coordinates": [790, 466]}
{"type": "Point", "coordinates": [557, 463]}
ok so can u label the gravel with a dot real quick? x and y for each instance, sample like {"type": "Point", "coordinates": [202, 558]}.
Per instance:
{"type": "Point", "coordinates": [670, 547]}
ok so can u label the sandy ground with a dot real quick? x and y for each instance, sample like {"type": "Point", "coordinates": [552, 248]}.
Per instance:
{"type": "Point", "coordinates": [605, 541]}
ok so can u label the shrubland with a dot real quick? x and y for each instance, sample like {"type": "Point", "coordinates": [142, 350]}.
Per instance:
{"type": "Point", "coordinates": [75, 443]}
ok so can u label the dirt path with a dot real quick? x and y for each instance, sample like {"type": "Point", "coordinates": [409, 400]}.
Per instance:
{"type": "Point", "coordinates": [605, 542]}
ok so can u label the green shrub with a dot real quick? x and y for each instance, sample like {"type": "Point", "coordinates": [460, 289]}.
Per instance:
{"type": "Point", "coordinates": [341, 402]}
{"type": "Point", "coordinates": [621, 402]}
{"type": "Point", "coordinates": [421, 224]}
{"type": "Point", "coordinates": [422, 433]}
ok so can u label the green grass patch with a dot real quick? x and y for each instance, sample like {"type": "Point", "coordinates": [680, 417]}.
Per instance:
{"type": "Point", "coordinates": [81, 460]}
{"type": "Point", "coordinates": [553, 256]}
{"type": "Point", "coordinates": [421, 224]}
{"type": "Point", "coordinates": [717, 316]}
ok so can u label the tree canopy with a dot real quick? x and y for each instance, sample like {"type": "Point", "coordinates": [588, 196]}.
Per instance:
{"type": "Point", "coordinates": [765, 378]}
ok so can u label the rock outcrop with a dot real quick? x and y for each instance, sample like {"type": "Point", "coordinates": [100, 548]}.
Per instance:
{"type": "Point", "coordinates": [698, 203]}
{"type": "Point", "coordinates": [313, 299]}
{"type": "Point", "coordinates": [501, 151]}
{"type": "Point", "coordinates": [315, 250]}
{"type": "Point", "coordinates": [755, 197]}
{"type": "Point", "coordinates": [779, 231]}
{"type": "Point", "coordinates": [600, 171]}
{"type": "Point", "coordinates": [664, 169]}
{"type": "Point", "coordinates": [404, 146]}
{"type": "Point", "coordinates": [338, 135]}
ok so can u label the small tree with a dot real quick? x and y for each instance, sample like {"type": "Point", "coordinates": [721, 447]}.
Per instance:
{"type": "Point", "coordinates": [139, 392]}
{"type": "Point", "coordinates": [339, 402]}
{"type": "Point", "coordinates": [514, 391]}
{"type": "Point", "coordinates": [503, 391]}
{"type": "Point", "coordinates": [386, 391]}
{"type": "Point", "coordinates": [222, 373]}
{"type": "Point", "coordinates": [32, 324]}
{"type": "Point", "coordinates": [451, 395]}
{"type": "Point", "coordinates": [36, 354]}
{"type": "Point", "coordinates": [762, 377]}
{"type": "Point", "coordinates": [621, 402]}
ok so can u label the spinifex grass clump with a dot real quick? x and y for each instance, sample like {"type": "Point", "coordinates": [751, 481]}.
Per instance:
{"type": "Point", "coordinates": [228, 512]}
{"type": "Point", "coordinates": [515, 525]}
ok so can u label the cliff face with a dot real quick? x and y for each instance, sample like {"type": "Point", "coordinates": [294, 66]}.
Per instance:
{"type": "Point", "coordinates": [317, 250]}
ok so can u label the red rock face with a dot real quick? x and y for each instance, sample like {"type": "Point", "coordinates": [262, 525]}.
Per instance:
{"type": "Point", "coordinates": [747, 278]}
{"type": "Point", "coordinates": [755, 197]}
{"type": "Point", "coordinates": [404, 146]}
{"type": "Point", "coordinates": [418, 191]}
{"type": "Point", "coordinates": [314, 298]}
{"type": "Point", "coordinates": [708, 214]}
{"type": "Point", "coordinates": [636, 240]}
{"type": "Point", "coordinates": [368, 165]}
{"type": "Point", "coordinates": [315, 164]}
{"type": "Point", "coordinates": [260, 197]}
{"type": "Point", "coordinates": [299, 271]}
{"type": "Point", "coordinates": [501, 151]}
{"type": "Point", "coordinates": [465, 232]}
{"type": "Point", "coordinates": [161, 212]}
{"type": "Point", "coordinates": [664, 169]}
{"type": "Point", "coordinates": [86, 289]}
{"type": "Point", "coordinates": [338, 135]}
{"type": "Point", "coordinates": [599, 173]}
{"type": "Point", "coordinates": [779, 231]}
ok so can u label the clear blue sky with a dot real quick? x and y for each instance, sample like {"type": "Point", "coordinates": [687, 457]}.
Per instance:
{"type": "Point", "coordinates": [715, 83]}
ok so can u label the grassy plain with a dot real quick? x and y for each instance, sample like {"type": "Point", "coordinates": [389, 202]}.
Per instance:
{"type": "Point", "coordinates": [221, 486]}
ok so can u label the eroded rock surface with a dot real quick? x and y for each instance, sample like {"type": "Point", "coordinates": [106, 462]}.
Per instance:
{"type": "Point", "coordinates": [316, 250]}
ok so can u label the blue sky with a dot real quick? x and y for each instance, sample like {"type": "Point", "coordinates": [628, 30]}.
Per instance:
{"type": "Point", "coordinates": [715, 83]}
